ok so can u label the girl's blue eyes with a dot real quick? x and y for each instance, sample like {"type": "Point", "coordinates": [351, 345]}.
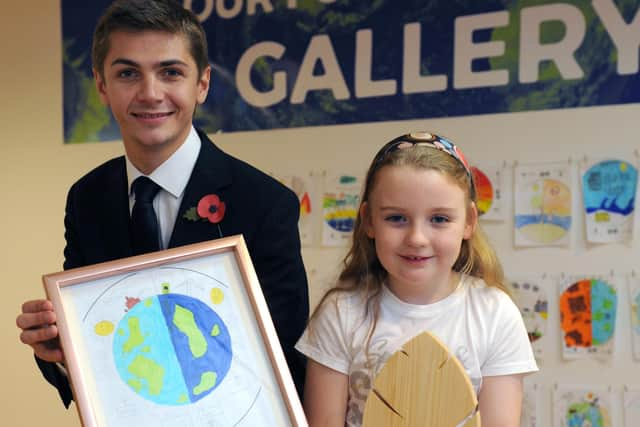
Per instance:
{"type": "Point", "coordinates": [396, 218]}
{"type": "Point", "coordinates": [439, 219]}
{"type": "Point", "coordinates": [436, 219]}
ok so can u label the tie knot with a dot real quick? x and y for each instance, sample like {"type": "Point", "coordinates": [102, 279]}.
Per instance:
{"type": "Point", "coordinates": [144, 189]}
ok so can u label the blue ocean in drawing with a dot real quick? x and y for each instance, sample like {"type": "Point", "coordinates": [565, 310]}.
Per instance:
{"type": "Point", "coordinates": [561, 221]}
{"type": "Point", "coordinates": [172, 349]}
{"type": "Point", "coordinates": [612, 206]}
{"type": "Point", "coordinates": [610, 186]}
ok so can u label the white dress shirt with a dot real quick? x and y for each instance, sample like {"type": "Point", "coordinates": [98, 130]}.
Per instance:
{"type": "Point", "coordinates": [172, 176]}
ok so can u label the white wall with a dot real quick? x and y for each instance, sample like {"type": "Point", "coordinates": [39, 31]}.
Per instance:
{"type": "Point", "coordinates": [37, 169]}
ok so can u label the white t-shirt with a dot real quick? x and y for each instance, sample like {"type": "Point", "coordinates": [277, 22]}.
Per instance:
{"type": "Point", "coordinates": [479, 324]}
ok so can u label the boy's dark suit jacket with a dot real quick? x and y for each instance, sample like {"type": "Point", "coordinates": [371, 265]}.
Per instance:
{"type": "Point", "coordinates": [257, 206]}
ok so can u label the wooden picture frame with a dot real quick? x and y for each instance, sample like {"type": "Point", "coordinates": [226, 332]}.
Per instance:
{"type": "Point", "coordinates": [181, 337]}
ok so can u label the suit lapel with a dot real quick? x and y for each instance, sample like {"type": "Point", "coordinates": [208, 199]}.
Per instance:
{"type": "Point", "coordinates": [210, 175]}
{"type": "Point", "coordinates": [113, 206]}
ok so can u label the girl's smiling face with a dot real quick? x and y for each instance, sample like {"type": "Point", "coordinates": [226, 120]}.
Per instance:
{"type": "Point", "coordinates": [418, 219]}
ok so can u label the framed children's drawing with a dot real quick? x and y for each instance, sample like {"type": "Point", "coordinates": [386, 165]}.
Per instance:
{"type": "Point", "coordinates": [180, 337]}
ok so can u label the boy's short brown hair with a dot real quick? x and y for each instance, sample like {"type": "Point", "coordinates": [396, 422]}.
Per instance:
{"type": "Point", "coordinates": [144, 15]}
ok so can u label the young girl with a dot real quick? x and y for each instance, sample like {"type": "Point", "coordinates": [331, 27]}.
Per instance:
{"type": "Point", "coordinates": [419, 262]}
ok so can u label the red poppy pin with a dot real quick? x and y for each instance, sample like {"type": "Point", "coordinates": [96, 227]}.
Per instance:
{"type": "Point", "coordinates": [210, 208]}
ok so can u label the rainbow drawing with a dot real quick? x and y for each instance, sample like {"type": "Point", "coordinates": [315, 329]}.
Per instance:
{"type": "Point", "coordinates": [484, 190]}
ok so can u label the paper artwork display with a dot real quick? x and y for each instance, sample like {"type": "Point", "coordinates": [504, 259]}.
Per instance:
{"type": "Point", "coordinates": [489, 189]}
{"type": "Point", "coordinates": [304, 187]}
{"type": "Point", "coordinates": [634, 299]}
{"type": "Point", "coordinates": [170, 341]}
{"type": "Point", "coordinates": [609, 192]}
{"type": "Point", "coordinates": [529, 405]}
{"type": "Point", "coordinates": [588, 308]}
{"type": "Point", "coordinates": [632, 407]}
{"type": "Point", "coordinates": [581, 406]}
{"type": "Point", "coordinates": [531, 298]}
{"type": "Point", "coordinates": [542, 204]}
{"type": "Point", "coordinates": [339, 209]}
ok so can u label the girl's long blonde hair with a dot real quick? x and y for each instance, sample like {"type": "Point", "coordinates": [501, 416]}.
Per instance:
{"type": "Point", "coordinates": [361, 269]}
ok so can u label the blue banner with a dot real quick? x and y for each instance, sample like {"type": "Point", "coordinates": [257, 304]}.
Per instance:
{"type": "Point", "coordinates": [291, 63]}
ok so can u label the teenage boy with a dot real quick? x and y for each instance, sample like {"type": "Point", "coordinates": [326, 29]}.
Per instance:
{"type": "Point", "coordinates": [151, 69]}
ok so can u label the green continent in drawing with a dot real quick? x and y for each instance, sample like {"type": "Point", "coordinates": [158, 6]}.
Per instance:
{"type": "Point", "coordinates": [135, 337]}
{"type": "Point", "coordinates": [185, 322]}
{"type": "Point", "coordinates": [148, 372]}
{"type": "Point", "coordinates": [166, 351]}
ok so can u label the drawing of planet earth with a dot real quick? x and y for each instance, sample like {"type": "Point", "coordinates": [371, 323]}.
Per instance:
{"type": "Point", "coordinates": [587, 413]}
{"type": "Point", "coordinates": [172, 349]}
{"type": "Point", "coordinates": [588, 313]}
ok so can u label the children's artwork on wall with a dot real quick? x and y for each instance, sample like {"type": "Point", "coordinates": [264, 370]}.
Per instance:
{"type": "Point", "coordinates": [339, 208]}
{"type": "Point", "coordinates": [542, 204]}
{"type": "Point", "coordinates": [582, 406]}
{"type": "Point", "coordinates": [632, 406]}
{"type": "Point", "coordinates": [588, 307]}
{"type": "Point", "coordinates": [531, 297]}
{"type": "Point", "coordinates": [634, 299]}
{"type": "Point", "coordinates": [304, 187]}
{"type": "Point", "coordinates": [528, 415]}
{"type": "Point", "coordinates": [489, 188]}
{"type": "Point", "coordinates": [609, 191]}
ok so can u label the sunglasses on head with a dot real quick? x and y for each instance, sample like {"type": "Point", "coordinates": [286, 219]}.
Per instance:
{"type": "Point", "coordinates": [426, 139]}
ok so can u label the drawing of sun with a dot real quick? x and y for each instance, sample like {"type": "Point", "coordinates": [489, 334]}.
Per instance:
{"type": "Point", "coordinates": [548, 217]}
{"type": "Point", "coordinates": [484, 190]}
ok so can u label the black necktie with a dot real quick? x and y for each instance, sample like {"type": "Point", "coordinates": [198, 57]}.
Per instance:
{"type": "Point", "coordinates": [145, 235]}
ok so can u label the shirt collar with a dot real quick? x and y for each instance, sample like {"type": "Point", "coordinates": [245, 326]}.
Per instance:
{"type": "Point", "coordinates": [173, 174]}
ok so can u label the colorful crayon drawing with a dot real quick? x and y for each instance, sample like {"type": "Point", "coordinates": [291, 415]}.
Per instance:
{"type": "Point", "coordinates": [304, 187]}
{"type": "Point", "coordinates": [488, 181]}
{"type": "Point", "coordinates": [340, 209]}
{"type": "Point", "coordinates": [634, 297]}
{"type": "Point", "coordinates": [164, 338]}
{"type": "Point", "coordinates": [172, 349]}
{"type": "Point", "coordinates": [587, 317]}
{"type": "Point", "coordinates": [169, 348]}
{"type": "Point", "coordinates": [581, 407]}
{"type": "Point", "coordinates": [543, 206]}
{"type": "Point", "coordinates": [609, 190]}
{"type": "Point", "coordinates": [484, 190]}
{"type": "Point", "coordinates": [533, 303]}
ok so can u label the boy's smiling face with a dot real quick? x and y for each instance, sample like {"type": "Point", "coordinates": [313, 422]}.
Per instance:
{"type": "Point", "coordinates": [151, 84]}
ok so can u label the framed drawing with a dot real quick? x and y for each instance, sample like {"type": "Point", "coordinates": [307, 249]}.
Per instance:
{"type": "Point", "coordinates": [180, 337]}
